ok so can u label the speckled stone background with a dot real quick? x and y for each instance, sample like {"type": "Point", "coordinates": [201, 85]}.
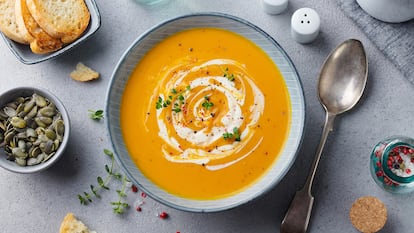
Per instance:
{"type": "Point", "coordinates": [37, 203]}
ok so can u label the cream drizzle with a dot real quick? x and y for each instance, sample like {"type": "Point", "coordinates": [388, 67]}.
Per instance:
{"type": "Point", "coordinates": [234, 118]}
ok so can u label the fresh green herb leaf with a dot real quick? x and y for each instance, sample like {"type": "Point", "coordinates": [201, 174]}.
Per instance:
{"type": "Point", "coordinates": [96, 115]}
{"type": "Point", "coordinates": [82, 200]}
{"type": "Point", "coordinates": [227, 136]}
{"type": "Point", "coordinates": [176, 110]}
{"type": "Point", "coordinates": [119, 206]}
{"type": "Point", "coordinates": [163, 103]}
{"type": "Point", "coordinates": [207, 104]}
{"type": "Point", "coordinates": [174, 91]}
{"type": "Point", "coordinates": [158, 104]}
{"type": "Point", "coordinates": [102, 183]}
{"type": "Point", "coordinates": [109, 153]}
{"type": "Point", "coordinates": [228, 75]}
{"type": "Point", "coordinates": [235, 135]}
{"type": "Point", "coordinates": [188, 87]}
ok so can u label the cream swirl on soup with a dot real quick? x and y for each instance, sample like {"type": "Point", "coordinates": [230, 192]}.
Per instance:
{"type": "Point", "coordinates": [203, 114]}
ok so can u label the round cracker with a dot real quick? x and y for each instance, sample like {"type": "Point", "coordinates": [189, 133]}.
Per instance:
{"type": "Point", "coordinates": [368, 214]}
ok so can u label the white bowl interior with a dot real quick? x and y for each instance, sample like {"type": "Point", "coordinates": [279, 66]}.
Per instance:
{"type": "Point", "coordinates": [143, 44]}
{"type": "Point", "coordinates": [11, 95]}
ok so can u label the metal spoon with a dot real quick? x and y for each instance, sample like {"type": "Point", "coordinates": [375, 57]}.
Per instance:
{"type": "Point", "coordinates": [341, 84]}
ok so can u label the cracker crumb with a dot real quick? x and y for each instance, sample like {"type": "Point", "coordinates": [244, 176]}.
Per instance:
{"type": "Point", "coordinates": [368, 214]}
{"type": "Point", "coordinates": [83, 73]}
{"type": "Point", "coordinates": [71, 224]}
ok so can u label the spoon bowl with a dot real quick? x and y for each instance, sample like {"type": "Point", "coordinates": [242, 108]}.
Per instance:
{"type": "Point", "coordinates": [342, 81]}
{"type": "Point", "coordinates": [343, 77]}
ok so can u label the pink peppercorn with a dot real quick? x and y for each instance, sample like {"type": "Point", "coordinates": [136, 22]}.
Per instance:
{"type": "Point", "coordinates": [134, 188]}
{"type": "Point", "coordinates": [163, 215]}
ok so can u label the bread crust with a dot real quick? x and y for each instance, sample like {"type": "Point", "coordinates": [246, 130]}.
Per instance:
{"type": "Point", "coordinates": [8, 24]}
{"type": "Point", "coordinates": [72, 225]}
{"type": "Point", "coordinates": [83, 73]}
{"type": "Point", "coordinates": [41, 42]}
{"type": "Point", "coordinates": [62, 19]}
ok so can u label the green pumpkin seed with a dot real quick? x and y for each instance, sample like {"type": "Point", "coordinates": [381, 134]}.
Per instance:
{"type": "Point", "coordinates": [40, 100]}
{"type": "Point", "coordinates": [47, 111]}
{"type": "Point", "coordinates": [50, 134]}
{"type": "Point", "coordinates": [18, 122]}
{"type": "Point", "coordinates": [18, 152]}
{"type": "Point", "coordinates": [29, 105]}
{"type": "Point", "coordinates": [31, 130]}
{"type": "Point", "coordinates": [9, 111]}
{"type": "Point", "coordinates": [20, 161]}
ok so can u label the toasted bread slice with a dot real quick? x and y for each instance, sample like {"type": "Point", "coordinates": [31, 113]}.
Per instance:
{"type": "Point", "coordinates": [8, 24]}
{"type": "Point", "coordinates": [72, 225]}
{"type": "Point", "coordinates": [41, 41]}
{"type": "Point", "coordinates": [62, 19]}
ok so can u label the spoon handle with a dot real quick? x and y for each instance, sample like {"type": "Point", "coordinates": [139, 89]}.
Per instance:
{"type": "Point", "coordinates": [298, 215]}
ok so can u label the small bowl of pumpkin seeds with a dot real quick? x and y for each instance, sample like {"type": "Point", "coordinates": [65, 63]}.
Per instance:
{"type": "Point", "coordinates": [34, 129]}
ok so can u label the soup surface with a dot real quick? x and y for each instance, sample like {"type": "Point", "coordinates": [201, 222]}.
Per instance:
{"type": "Point", "coordinates": [205, 113]}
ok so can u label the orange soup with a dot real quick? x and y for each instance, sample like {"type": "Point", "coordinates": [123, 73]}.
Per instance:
{"type": "Point", "coordinates": [205, 114]}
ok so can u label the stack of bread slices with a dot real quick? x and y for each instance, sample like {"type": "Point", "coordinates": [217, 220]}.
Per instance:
{"type": "Point", "coordinates": [46, 25]}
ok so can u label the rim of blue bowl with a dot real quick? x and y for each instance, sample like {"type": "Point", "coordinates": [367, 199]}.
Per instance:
{"type": "Point", "coordinates": [10, 95]}
{"type": "Point", "coordinates": [293, 143]}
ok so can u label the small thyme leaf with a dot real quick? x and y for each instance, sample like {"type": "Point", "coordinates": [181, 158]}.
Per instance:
{"type": "Point", "coordinates": [227, 136]}
{"type": "Point", "coordinates": [235, 135]}
{"type": "Point", "coordinates": [82, 200]}
{"type": "Point", "coordinates": [102, 183]}
{"type": "Point", "coordinates": [228, 75]}
{"type": "Point", "coordinates": [207, 104]}
{"type": "Point", "coordinates": [118, 207]}
{"type": "Point", "coordinates": [96, 115]}
{"type": "Point", "coordinates": [109, 153]}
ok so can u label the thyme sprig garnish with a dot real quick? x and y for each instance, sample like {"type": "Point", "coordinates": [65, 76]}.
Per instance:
{"type": "Point", "coordinates": [228, 75]}
{"type": "Point", "coordinates": [207, 104]}
{"type": "Point", "coordinates": [103, 184]}
{"type": "Point", "coordinates": [96, 114]}
{"type": "Point", "coordinates": [178, 103]}
{"type": "Point", "coordinates": [235, 135]}
{"type": "Point", "coordinates": [119, 206]}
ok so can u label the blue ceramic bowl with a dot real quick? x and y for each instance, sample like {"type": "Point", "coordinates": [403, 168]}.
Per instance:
{"type": "Point", "coordinates": [9, 96]}
{"type": "Point", "coordinates": [153, 36]}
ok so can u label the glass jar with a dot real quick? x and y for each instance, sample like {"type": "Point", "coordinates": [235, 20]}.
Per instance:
{"type": "Point", "coordinates": [392, 164]}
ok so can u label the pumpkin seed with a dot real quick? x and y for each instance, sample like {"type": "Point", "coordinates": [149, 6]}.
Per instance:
{"type": "Point", "coordinates": [18, 122]}
{"type": "Point", "coordinates": [31, 130]}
